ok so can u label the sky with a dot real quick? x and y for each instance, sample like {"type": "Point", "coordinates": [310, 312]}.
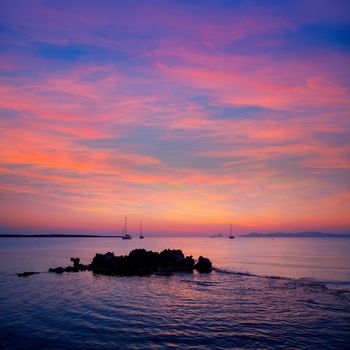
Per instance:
{"type": "Point", "coordinates": [188, 115]}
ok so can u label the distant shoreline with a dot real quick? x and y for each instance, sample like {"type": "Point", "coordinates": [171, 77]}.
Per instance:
{"type": "Point", "coordinates": [250, 235]}
{"type": "Point", "coordinates": [56, 236]}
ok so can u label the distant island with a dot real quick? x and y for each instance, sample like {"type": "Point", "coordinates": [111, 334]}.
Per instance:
{"type": "Point", "coordinates": [298, 234]}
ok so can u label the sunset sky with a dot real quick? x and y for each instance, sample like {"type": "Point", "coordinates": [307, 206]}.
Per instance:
{"type": "Point", "coordinates": [188, 115]}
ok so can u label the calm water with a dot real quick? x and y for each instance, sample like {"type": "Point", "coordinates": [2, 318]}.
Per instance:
{"type": "Point", "coordinates": [282, 293]}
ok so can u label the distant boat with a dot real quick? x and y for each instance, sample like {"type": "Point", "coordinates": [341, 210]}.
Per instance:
{"type": "Point", "coordinates": [125, 235]}
{"type": "Point", "coordinates": [231, 236]}
{"type": "Point", "coordinates": [141, 235]}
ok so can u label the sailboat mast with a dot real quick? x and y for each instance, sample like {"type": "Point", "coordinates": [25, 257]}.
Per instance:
{"type": "Point", "coordinates": [125, 224]}
{"type": "Point", "coordinates": [140, 227]}
{"type": "Point", "coordinates": [231, 229]}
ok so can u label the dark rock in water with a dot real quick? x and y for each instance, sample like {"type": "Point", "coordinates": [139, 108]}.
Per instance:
{"type": "Point", "coordinates": [203, 265]}
{"type": "Point", "coordinates": [76, 261]}
{"type": "Point", "coordinates": [75, 268]}
{"type": "Point", "coordinates": [104, 263]}
{"type": "Point", "coordinates": [174, 260]}
{"type": "Point", "coordinates": [141, 262]}
{"type": "Point", "coordinates": [27, 273]}
{"type": "Point", "coordinates": [57, 269]}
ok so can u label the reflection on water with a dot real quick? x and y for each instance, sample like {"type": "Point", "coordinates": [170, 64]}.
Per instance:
{"type": "Point", "coordinates": [224, 309]}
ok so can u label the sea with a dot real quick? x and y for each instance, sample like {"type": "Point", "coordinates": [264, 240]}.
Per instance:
{"type": "Point", "coordinates": [264, 293]}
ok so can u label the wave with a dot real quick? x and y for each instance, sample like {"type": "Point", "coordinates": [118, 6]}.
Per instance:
{"type": "Point", "coordinates": [248, 274]}
{"type": "Point", "coordinates": [201, 283]}
{"type": "Point", "coordinates": [336, 287]}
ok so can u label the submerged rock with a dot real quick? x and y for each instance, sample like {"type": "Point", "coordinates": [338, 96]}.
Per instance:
{"type": "Point", "coordinates": [203, 265]}
{"type": "Point", "coordinates": [27, 273]}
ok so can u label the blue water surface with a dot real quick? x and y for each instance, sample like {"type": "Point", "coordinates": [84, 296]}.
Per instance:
{"type": "Point", "coordinates": [269, 294]}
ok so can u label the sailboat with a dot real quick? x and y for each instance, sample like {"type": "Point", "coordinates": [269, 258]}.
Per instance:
{"type": "Point", "coordinates": [141, 235]}
{"type": "Point", "coordinates": [231, 236]}
{"type": "Point", "coordinates": [125, 234]}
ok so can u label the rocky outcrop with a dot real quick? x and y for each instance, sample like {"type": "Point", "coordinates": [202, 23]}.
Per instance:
{"type": "Point", "coordinates": [75, 261]}
{"type": "Point", "coordinates": [139, 262]}
{"type": "Point", "coordinates": [57, 269]}
{"type": "Point", "coordinates": [203, 265]}
{"type": "Point", "coordinates": [75, 268]}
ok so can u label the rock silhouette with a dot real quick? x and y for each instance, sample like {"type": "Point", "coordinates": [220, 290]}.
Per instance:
{"type": "Point", "coordinates": [203, 265]}
{"type": "Point", "coordinates": [139, 262]}
{"type": "Point", "coordinates": [76, 261]}
{"type": "Point", "coordinates": [75, 268]}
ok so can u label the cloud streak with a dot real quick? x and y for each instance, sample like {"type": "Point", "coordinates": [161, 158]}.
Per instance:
{"type": "Point", "coordinates": [189, 116]}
